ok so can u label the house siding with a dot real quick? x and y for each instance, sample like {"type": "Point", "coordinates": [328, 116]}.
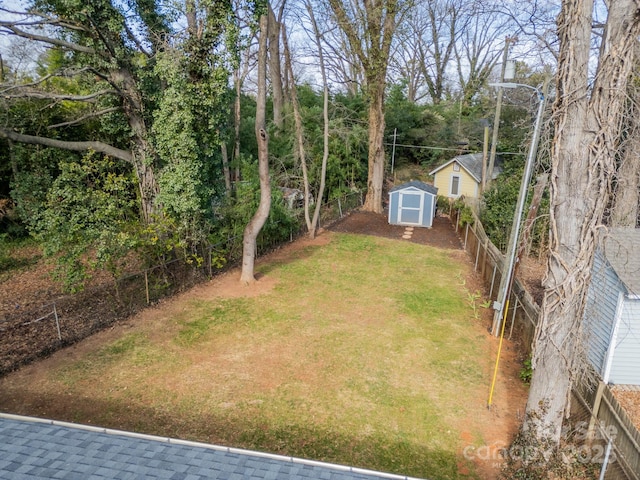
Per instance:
{"type": "Point", "coordinates": [442, 181]}
{"type": "Point", "coordinates": [625, 368]}
{"type": "Point", "coordinates": [600, 311]}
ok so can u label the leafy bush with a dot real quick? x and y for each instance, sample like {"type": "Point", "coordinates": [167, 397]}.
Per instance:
{"type": "Point", "coordinates": [235, 212]}
{"type": "Point", "coordinates": [466, 214]}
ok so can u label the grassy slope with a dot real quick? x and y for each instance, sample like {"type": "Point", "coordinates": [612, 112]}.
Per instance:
{"type": "Point", "coordinates": [365, 353]}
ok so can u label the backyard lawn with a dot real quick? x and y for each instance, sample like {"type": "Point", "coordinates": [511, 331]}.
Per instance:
{"type": "Point", "coordinates": [351, 349]}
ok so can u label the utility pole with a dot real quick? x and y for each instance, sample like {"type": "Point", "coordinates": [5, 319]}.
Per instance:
{"type": "Point", "coordinates": [496, 120]}
{"type": "Point", "coordinates": [501, 304]}
{"type": "Point", "coordinates": [485, 150]}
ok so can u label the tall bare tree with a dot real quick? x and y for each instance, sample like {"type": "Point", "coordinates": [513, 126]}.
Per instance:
{"type": "Point", "coordinates": [275, 70]}
{"type": "Point", "coordinates": [369, 27]}
{"type": "Point", "coordinates": [260, 217]}
{"type": "Point", "coordinates": [325, 120]}
{"type": "Point", "coordinates": [588, 117]}
{"type": "Point", "coordinates": [477, 49]}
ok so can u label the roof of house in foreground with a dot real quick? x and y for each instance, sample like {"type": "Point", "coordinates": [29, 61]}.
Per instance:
{"type": "Point", "coordinates": [32, 448]}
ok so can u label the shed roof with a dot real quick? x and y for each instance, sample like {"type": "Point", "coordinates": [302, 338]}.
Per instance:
{"type": "Point", "coordinates": [472, 163]}
{"type": "Point", "coordinates": [621, 247]}
{"type": "Point", "coordinates": [417, 184]}
{"type": "Point", "coordinates": [32, 448]}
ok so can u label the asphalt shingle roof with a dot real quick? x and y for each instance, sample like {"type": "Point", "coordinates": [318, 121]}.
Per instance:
{"type": "Point", "coordinates": [417, 184]}
{"type": "Point", "coordinates": [43, 449]}
{"type": "Point", "coordinates": [472, 163]}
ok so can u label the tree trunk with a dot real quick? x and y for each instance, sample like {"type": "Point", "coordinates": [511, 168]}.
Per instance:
{"type": "Point", "coordinates": [225, 168]}
{"type": "Point", "coordinates": [587, 135]}
{"type": "Point", "coordinates": [257, 222]}
{"type": "Point", "coordinates": [298, 129]}
{"type": "Point", "coordinates": [236, 124]}
{"type": "Point", "coordinates": [375, 182]}
{"type": "Point", "coordinates": [12, 160]}
{"type": "Point", "coordinates": [275, 73]}
{"type": "Point", "coordinates": [625, 203]}
{"type": "Point", "coordinates": [627, 193]}
{"type": "Point", "coordinates": [378, 22]}
{"type": "Point", "coordinates": [143, 153]}
{"type": "Point", "coordinates": [325, 118]}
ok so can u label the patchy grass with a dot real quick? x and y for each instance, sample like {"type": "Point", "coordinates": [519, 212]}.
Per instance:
{"type": "Point", "coordinates": [365, 353]}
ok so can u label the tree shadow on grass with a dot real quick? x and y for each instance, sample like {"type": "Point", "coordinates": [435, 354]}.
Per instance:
{"type": "Point", "coordinates": [374, 451]}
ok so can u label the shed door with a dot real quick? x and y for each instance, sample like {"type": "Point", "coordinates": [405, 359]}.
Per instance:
{"type": "Point", "coordinates": [410, 208]}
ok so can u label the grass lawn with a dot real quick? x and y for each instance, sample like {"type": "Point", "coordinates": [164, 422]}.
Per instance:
{"type": "Point", "coordinates": [366, 351]}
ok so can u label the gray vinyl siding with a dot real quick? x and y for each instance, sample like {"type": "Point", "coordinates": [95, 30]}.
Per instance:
{"type": "Point", "coordinates": [626, 361]}
{"type": "Point", "coordinates": [600, 310]}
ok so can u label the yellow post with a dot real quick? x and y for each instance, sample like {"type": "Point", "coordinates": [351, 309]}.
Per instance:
{"type": "Point", "coordinates": [495, 369]}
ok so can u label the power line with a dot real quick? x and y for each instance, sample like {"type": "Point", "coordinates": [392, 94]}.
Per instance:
{"type": "Point", "coordinates": [450, 149]}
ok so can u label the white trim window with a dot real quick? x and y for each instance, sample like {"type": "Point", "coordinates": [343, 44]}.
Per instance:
{"type": "Point", "coordinates": [454, 189]}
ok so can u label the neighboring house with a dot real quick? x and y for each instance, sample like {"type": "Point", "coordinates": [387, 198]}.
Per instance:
{"type": "Point", "coordinates": [461, 176]}
{"type": "Point", "coordinates": [612, 312]}
{"type": "Point", "coordinates": [412, 204]}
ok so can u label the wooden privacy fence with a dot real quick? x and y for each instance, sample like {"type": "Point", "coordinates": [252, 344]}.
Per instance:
{"type": "Point", "coordinates": [617, 440]}
{"type": "Point", "coordinates": [489, 263]}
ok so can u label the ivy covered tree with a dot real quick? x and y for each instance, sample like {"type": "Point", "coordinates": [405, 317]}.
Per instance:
{"type": "Point", "coordinates": [131, 68]}
{"type": "Point", "coordinates": [123, 80]}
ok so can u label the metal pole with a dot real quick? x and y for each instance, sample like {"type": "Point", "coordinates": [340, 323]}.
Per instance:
{"type": "Point", "coordinates": [485, 154]}
{"type": "Point", "coordinates": [505, 281]}
{"type": "Point", "coordinates": [605, 463]}
{"type": "Point", "coordinates": [496, 120]}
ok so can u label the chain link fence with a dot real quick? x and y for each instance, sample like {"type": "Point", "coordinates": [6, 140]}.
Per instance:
{"type": "Point", "coordinates": [31, 333]}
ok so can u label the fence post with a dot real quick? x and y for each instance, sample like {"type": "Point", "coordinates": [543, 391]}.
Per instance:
{"type": "Point", "coordinates": [485, 247]}
{"type": "Point", "coordinates": [146, 285]}
{"type": "Point", "coordinates": [475, 267]}
{"type": "Point", "coordinates": [55, 314]}
{"type": "Point", "coordinates": [466, 234]}
{"type": "Point", "coordinates": [493, 280]}
{"type": "Point", "coordinates": [339, 207]}
{"type": "Point", "coordinates": [595, 410]}
{"type": "Point", "coordinates": [513, 315]}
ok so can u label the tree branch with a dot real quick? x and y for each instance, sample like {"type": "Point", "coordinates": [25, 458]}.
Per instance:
{"type": "Point", "coordinates": [55, 96]}
{"type": "Point", "coordinates": [68, 145]}
{"type": "Point", "coordinates": [10, 26]}
{"type": "Point", "coordinates": [84, 117]}
{"type": "Point", "coordinates": [65, 73]}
